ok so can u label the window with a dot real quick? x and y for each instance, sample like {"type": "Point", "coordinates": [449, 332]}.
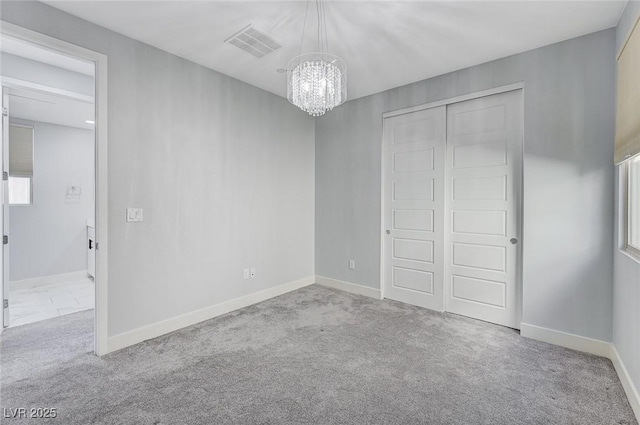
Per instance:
{"type": "Point", "coordinates": [20, 165]}
{"type": "Point", "coordinates": [633, 206]}
{"type": "Point", "coordinates": [627, 152]}
{"type": "Point", "coordinates": [628, 98]}
{"type": "Point", "coordinates": [19, 190]}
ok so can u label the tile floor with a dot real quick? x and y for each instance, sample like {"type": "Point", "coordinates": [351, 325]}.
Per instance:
{"type": "Point", "coordinates": [49, 297]}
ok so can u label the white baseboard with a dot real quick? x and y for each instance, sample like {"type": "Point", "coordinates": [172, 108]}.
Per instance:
{"type": "Point", "coordinates": [563, 339]}
{"type": "Point", "coordinates": [354, 288]}
{"type": "Point", "coordinates": [592, 346]}
{"type": "Point", "coordinates": [627, 383]}
{"type": "Point", "coordinates": [48, 280]}
{"type": "Point", "coordinates": [155, 330]}
{"type": "Point", "coordinates": [567, 340]}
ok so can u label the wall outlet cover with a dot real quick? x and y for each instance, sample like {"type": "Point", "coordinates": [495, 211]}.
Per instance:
{"type": "Point", "coordinates": [134, 214]}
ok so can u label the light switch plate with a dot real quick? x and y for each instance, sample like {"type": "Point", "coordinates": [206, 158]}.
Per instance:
{"type": "Point", "coordinates": [134, 214]}
{"type": "Point", "coordinates": [352, 264]}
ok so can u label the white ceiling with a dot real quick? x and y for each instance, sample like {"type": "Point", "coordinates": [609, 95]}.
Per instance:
{"type": "Point", "coordinates": [37, 106]}
{"type": "Point", "coordinates": [386, 44]}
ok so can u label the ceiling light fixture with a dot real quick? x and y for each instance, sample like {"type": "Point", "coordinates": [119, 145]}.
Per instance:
{"type": "Point", "coordinates": [90, 122]}
{"type": "Point", "coordinates": [317, 82]}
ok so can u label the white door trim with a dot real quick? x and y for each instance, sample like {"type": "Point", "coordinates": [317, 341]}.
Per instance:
{"type": "Point", "coordinates": [456, 99]}
{"type": "Point", "coordinates": [22, 84]}
{"type": "Point", "coordinates": [444, 102]}
{"type": "Point", "coordinates": [5, 215]}
{"type": "Point", "coordinates": [101, 200]}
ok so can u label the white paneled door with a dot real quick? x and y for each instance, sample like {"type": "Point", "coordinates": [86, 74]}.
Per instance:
{"type": "Point", "coordinates": [451, 207]}
{"type": "Point", "coordinates": [414, 155]}
{"type": "Point", "coordinates": [484, 155]}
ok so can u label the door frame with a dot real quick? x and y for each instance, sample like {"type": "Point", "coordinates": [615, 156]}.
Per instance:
{"type": "Point", "coordinates": [4, 211]}
{"type": "Point", "coordinates": [520, 215]}
{"type": "Point", "coordinates": [101, 167]}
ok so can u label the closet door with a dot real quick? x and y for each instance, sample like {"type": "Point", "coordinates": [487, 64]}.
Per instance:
{"type": "Point", "coordinates": [483, 189]}
{"type": "Point", "coordinates": [413, 197]}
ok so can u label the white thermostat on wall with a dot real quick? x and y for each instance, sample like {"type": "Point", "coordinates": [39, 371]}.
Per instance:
{"type": "Point", "coordinates": [134, 214]}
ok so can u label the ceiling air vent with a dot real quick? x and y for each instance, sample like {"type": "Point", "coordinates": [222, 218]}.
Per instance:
{"type": "Point", "coordinates": [254, 41]}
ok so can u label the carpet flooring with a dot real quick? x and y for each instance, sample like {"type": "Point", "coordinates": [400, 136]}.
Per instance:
{"type": "Point", "coordinates": [312, 356]}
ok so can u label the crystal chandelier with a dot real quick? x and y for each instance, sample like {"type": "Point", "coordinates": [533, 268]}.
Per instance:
{"type": "Point", "coordinates": [317, 82]}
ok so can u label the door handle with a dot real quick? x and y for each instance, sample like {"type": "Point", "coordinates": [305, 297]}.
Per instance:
{"type": "Point", "coordinates": [90, 244]}
{"type": "Point", "coordinates": [388, 232]}
{"type": "Point", "coordinates": [513, 241]}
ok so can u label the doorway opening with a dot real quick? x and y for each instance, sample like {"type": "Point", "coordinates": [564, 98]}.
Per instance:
{"type": "Point", "coordinates": [51, 182]}
{"type": "Point", "coordinates": [54, 187]}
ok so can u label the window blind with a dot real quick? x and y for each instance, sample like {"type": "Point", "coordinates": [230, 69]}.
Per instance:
{"type": "Point", "coordinates": [628, 102]}
{"type": "Point", "coordinates": [20, 151]}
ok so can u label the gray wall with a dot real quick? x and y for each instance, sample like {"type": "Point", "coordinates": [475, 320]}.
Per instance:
{"type": "Point", "coordinates": [229, 183]}
{"type": "Point", "coordinates": [49, 237]}
{"type": "Point", "coordinates": [568, 178]}
{"type": "Point", "coordinates": [626, 290]}
{"type": "Point", "coordinates": [41, 73]}
{"type": "Point", "coordinates": [223, 170]}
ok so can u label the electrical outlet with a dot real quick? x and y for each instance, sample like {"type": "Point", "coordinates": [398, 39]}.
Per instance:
{"type": "Point", "coordinates": [253, 272]}
{"type": "Point", "coordinates": [352, 264]}
{"type": "Point", "coordinates": [246, 274]}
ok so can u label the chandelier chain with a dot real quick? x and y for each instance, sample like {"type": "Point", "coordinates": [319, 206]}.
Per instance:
{"type": "Point", "coordinates": [319, 26]}
{"type": "Point", "coordinates": [324, 21]}
{"type": "Point", "coordinates": [304, 26]}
